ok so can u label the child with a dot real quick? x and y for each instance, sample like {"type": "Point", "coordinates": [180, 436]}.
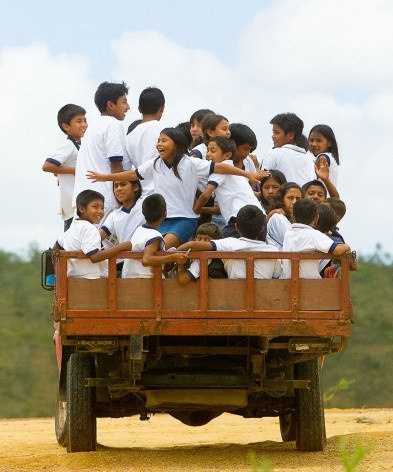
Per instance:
{"type": "Point", "coordinates": [231, 192]}
{"type": "Point", "coordinates": [250, 221]}
{"type": "Point", "coordinates": [176, 177]}
{"type": "Point", "coordinates": [205, 232]}
{"type": "Point", "coordinates": [72, 121]}
{"type": "Point", "coordinates": [212, 125]}
{"type": "Point", "coordinates": [246, 142]}
{"type": "Point", "coordinates": [281, 217]}
{"type": "Point", "coordinates": [195, 124]}
{"type": "Point", "coordinates": [148, 239]}
{"type": "Point", "coordinates": [269, 187]}
{"type": "Point", "coordinates": [288, 155]}
{"type": "Point", "coordinates": [103, 145]}
{"type": "Point", "coordinates": [121, 223]}
{"type": "Point", "coordinates": [315, 190]}
{"type": "Point", "coordinates": [338, 207]}
{"type": "Point", "coordinates": [84, 236]}
{"type": "Point", "coordinates": [141, 142]}
{"type": "Point", "coordinates": [303, 237]}
{"type": "Point", "coordinates": [322, 142]}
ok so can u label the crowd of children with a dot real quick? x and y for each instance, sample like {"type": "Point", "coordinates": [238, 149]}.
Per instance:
{"type": "Point", "coordinates": [176, 188]}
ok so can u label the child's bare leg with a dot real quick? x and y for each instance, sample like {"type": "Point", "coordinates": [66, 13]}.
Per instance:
{"type": "Point", "coordinates": [171, 240]}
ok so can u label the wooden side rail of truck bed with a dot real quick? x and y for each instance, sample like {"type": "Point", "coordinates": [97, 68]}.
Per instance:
{"type": "Point", "coordinates": [158, 306]}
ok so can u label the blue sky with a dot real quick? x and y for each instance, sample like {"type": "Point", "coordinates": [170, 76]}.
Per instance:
{"type": "Point", "coordinates": [329, 61]}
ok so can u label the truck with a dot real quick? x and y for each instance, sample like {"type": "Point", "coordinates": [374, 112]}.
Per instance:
{"type": "Point", "coordinates": [249, 347]}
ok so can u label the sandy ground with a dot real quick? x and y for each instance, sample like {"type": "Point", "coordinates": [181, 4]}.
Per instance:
{"type": "Point", "coordinates": [164, 444]}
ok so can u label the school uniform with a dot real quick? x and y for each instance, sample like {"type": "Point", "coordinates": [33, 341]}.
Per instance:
{"type": "Point", "coordinates": [303, 238]}
{"type": "Point", "coordinates": [293, 161]}
{"type": "Point", "coordinates": [277, 226]}
{"type": "Point", "coordinates": [123, 222]}
{"type": "Point", "coordinates": [142, 237]}
{"type": "Point", "coordinates": [333, 166]}
{"type": "Point", "coordinates": [65, 155]}
{"type": "Point", "coordinates": [141, 146]}
{"type": "Point", "coordinates": [103, 143]}
{"type": "Point", "coordinates": [236, 268]}
{"type": "Point", "coordinates": [83, 236]}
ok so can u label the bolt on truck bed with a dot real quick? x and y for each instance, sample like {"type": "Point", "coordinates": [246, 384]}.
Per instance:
{"type": "Point", "coordinates": [250, 347]}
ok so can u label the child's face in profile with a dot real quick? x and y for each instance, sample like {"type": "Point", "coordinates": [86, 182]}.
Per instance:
{"type": "Point", "coordinates": [215, 154]}
{"type": "Point", "coordinates": [93, 212]}
{"type": "Point", "coordinates": [203, 237]}
{"type": "Point", "coordinates": [280, 138]}
{"type": "Point", "coordinates": [76, 128]}
{"type": "Point", "coordinates": [316, 193]}
{"type": "Point", "coordinates": [119, 109]}
{"type": "Point", "coordinates": [195, 129]}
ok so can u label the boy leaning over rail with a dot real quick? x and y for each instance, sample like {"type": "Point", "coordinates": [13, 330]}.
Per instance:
{"type": "Point", "coordinates": [250, 222]}
{"type": "Point", "coordinates": [83, 235]}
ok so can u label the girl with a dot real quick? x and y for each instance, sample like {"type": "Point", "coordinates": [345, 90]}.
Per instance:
{"type": "Point", "coordinates": [287, 195]}
{"type": "Point", "coordinates": [269, 187]}
{"type": "Point", "coordinates": [196, 124]}
{"type": "Point", "coordinates": [322, 143]}
{"type": "Point", "coordinates": [176, 177]}
{"type": "Point", "coordinates": [212, 125]}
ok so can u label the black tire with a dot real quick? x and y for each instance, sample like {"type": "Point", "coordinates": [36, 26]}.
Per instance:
{"type": "Point", "coordinates": [288, 427]}
{"type": "Point", "coordinates": [81, 419]}
{"type": "Point", "coordinates": [311, 432]}
{"type": "Point", "coordinates": [61, 428]}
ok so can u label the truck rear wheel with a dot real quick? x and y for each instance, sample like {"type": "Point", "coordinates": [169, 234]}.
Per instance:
{"type": "Point", "coordinates": [288, 427]}
{"type": "Point", "coordinates": [81, 420]}
{"type": "Point", "coordinates": [310, 431]}
{"type": "Point", "coordinates": [61, 429]}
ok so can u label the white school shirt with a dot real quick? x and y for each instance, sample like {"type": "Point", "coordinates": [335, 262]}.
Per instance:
{"type": "Point", "coordinates": [333, 166]}
{"type": "Point", "coordinates": [293, 161]}
{"type": "Point", "coordinates": [276, 228]}
{"type": "Point", "coordinates": [303, 238]}
{"type": "Point", "coordinates": [123, 222]}
{"type": "Point", "coordinates": [179, 194]}
{"type": "Point", "coordinates": [141, 146]}
{"type": "Point", "coordinates": [200, 151]}
{"type": "Point", "coordinates": [65, 155]}
{"type": "Point", "coordinates": [236, 268]}
{"type": "Point", "coordinates": [103, 143]}
{"type": "Point", "coordinates": [232, 192]}
{"type": "Point", "coordinates": [142, 237]}
{"type": "Point", "coordinates": [83, 236]}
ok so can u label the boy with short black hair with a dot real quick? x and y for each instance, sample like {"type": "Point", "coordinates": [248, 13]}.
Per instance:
{"type": "Point", "coordinates": [246, 143]}
{"type": "Point", "coordinates": [148, 239]}
{"type": "Point", "coordinates": [103, 145]}
{"type": "Point", "coordinates": [315, 190]}
{"type": "Point", "coordinates": [72, 121]}
{"type": "Point", "coordinates": [84, 236]}
{"type": "Point", "coordinates": [289, 154]}
{"type": "Point", "coordinates": [302, 237]}
{"type": "Point", "coordinates": [142, 140]}
{"type": "Point", "coordinates": [250, 222]}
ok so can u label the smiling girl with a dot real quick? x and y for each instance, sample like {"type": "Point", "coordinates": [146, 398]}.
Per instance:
{"type": "Point", "coordinates": [176, 177]}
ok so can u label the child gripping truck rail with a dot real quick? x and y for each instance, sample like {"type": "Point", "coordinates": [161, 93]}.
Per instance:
{"type": "Point", "coordinates": [250, 347]}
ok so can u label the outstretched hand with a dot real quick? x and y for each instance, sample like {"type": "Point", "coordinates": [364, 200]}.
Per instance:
{"type": "Point", "coordinates": [322, 169]}
{"type": "Point", "coordinates": [96, 177]}
{"type": "Point", "coordinates": [256, 177]}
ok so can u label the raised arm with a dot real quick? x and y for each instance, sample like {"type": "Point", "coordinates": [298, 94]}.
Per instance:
{"type": "Point", "coordinates": [253, 177]}
{"type": "Point", "coordinates": [322, 172]}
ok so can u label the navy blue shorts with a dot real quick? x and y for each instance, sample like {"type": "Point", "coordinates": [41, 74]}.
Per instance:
{"type": "Point", "coordinates": [183, 228]}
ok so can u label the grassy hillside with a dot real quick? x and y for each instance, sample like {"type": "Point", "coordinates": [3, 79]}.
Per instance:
{"type": "Point", "coordinates": [28, 373]}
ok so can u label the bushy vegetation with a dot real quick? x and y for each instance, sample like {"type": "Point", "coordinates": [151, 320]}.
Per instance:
{"type": "Point", "coordinates": [28, 373]}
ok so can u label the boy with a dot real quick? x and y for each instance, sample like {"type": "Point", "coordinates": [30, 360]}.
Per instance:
{"type": "Point", "coordinates": [84, 236]}
{"type": "Point", "coordinates": [103, 145]}
{"type": "Point", "coordinates": [142, 140]}
{"type": "Point", "coordinates": [72, 121]}
{"type": "Point", "coordinates": [315, 190]}
{"type": "Point", "coordinates": [246, 142]}
{"type": "Point", "coordinates": [302, 237]}
{"type": "Point", "coordinates": [148, 239]}
{"type": "Point", "coordinates": [231, 192]}
{"type": "Point", "coordinates": [205, 232]}
{"type": "Point", "coordinates": [250, 222]}
{"type": "Point", "coordinates": [287, 155]}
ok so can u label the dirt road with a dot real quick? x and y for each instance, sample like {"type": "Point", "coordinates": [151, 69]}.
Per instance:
{"type": "Point", "coordinates": [164, 444]}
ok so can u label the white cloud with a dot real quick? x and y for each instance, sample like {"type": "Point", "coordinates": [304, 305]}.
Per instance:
{"type": "Point", "coordinates": [327, 61]}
